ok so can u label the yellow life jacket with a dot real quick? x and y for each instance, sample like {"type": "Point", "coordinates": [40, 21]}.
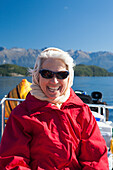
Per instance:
{"type": "Point", "coordinates": [19, 92]}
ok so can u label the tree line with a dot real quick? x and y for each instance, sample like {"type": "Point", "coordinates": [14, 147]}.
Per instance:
{"type": "Point", "coordinates": [91, 71]}
{"type": "Point", "coordinates": [79, 70]}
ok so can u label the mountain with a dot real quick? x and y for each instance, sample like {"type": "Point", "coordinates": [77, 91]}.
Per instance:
{"type": "Point", "coordinates": [18, 56]}
{"type": "Point", "coordinates": [27, 58]}
{"type": "Point", "coordinates": [101, 59]}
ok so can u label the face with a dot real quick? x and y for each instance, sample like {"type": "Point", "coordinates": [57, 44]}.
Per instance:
{"type": "Point", "coordinates": [53, 87]}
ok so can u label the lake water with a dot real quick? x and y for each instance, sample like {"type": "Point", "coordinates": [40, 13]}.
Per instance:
{"type": "Point", "coordinates": [88, 84]}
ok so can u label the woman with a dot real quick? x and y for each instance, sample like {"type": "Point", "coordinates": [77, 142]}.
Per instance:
{"type": "Point", "coordinates": [52, 128]}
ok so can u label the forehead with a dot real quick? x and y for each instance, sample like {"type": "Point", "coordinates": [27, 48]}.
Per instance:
{"type": "Point", "coordinates": [53, 64]}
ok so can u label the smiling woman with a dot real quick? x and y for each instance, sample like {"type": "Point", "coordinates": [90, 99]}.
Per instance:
{"type": "Point", "coordinates": [52, 129]}
{"type": "Point", "coordinates": [53, 60]}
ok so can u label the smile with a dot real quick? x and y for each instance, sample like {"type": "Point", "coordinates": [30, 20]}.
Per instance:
{"type": "Point", "coordinates": [53, 89]}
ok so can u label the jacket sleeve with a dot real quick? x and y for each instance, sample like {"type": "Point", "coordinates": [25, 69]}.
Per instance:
{"type": "Point", "coordinates": [14, 148]}
{"type": "Point", "coordinates": [93, 153]}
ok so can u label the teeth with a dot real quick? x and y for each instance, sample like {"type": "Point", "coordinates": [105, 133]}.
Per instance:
{"type": "Point", "coordinates": [53, 88]}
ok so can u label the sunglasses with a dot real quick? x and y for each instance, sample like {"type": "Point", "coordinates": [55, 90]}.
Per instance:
{"type": "Point", "coordinates": [47, 74]}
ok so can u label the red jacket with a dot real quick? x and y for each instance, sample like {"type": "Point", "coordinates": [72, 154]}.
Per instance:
{"type": "Point", "coordinates": [39, 136]}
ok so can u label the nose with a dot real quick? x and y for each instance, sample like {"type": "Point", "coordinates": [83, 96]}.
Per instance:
{"type": "Point", "coordinates": [54, 79]}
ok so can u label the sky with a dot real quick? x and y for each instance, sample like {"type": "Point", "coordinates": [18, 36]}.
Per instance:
{"type": "Point", "coordinates": [67, 24]}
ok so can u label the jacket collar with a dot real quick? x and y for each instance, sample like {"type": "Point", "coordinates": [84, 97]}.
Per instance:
{"type": "Point", "coordinates": [34, 104]}
{"type": "Point", "coordinates": [73, 100]}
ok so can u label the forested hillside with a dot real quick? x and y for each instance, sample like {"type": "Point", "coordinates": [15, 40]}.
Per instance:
{"type": "Point", "coordinates": [79, 70]}
{"type": "Point", "coordinates": [84, 70]}
{"type": "Point", "coordinates": [13, 70]}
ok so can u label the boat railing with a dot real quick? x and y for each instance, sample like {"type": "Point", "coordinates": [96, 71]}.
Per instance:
{"type": "Point", "coordinates": [3, 118]}
{"type": "Point", "coordinates": [99, 106]}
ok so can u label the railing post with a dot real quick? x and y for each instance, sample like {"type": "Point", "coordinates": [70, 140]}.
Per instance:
{"type": "Point", "coordinates": [2, 103]}
{"type": "Point", "coordinates": [3, 118]}
{"type": "Point", "coordinates": [99, 111]}
{"type": "Point", "coordinates": [104, 112]}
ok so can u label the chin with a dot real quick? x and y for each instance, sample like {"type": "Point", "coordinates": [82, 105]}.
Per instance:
{"type": "Point", "coordinates": [53, 97]}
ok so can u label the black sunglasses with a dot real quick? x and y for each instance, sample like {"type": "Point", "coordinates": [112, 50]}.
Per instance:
{"type": "Point", "coordinates": [48, 74]}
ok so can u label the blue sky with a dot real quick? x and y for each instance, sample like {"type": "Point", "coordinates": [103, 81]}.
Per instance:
{"type": "Point", "coordinates": [66, 24]}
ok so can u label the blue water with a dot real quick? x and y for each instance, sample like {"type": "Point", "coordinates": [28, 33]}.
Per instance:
{"type": "Point", "coordinates": [88, 84]}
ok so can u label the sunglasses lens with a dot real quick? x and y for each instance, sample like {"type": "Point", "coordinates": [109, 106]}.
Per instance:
{"type": "Point", "coordinates": [46, 74]}
{"type": "Point", "coordinates": [62, 74]}
{"type": "Point", "coordinates": [49, 74]}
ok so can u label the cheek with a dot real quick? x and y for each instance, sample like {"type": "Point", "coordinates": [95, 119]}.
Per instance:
{"type": "Point", "coordinates": [41, 81]}
{"type": "Point", "coordinates": [65, 84]}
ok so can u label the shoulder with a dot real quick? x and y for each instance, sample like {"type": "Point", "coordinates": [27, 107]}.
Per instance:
{"type": "Point", "coordinates": [74, 100]}
{"type": "Point", "coordinates": [78, 107]}
{"type": "Point", "coordinates": [29, 106]}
